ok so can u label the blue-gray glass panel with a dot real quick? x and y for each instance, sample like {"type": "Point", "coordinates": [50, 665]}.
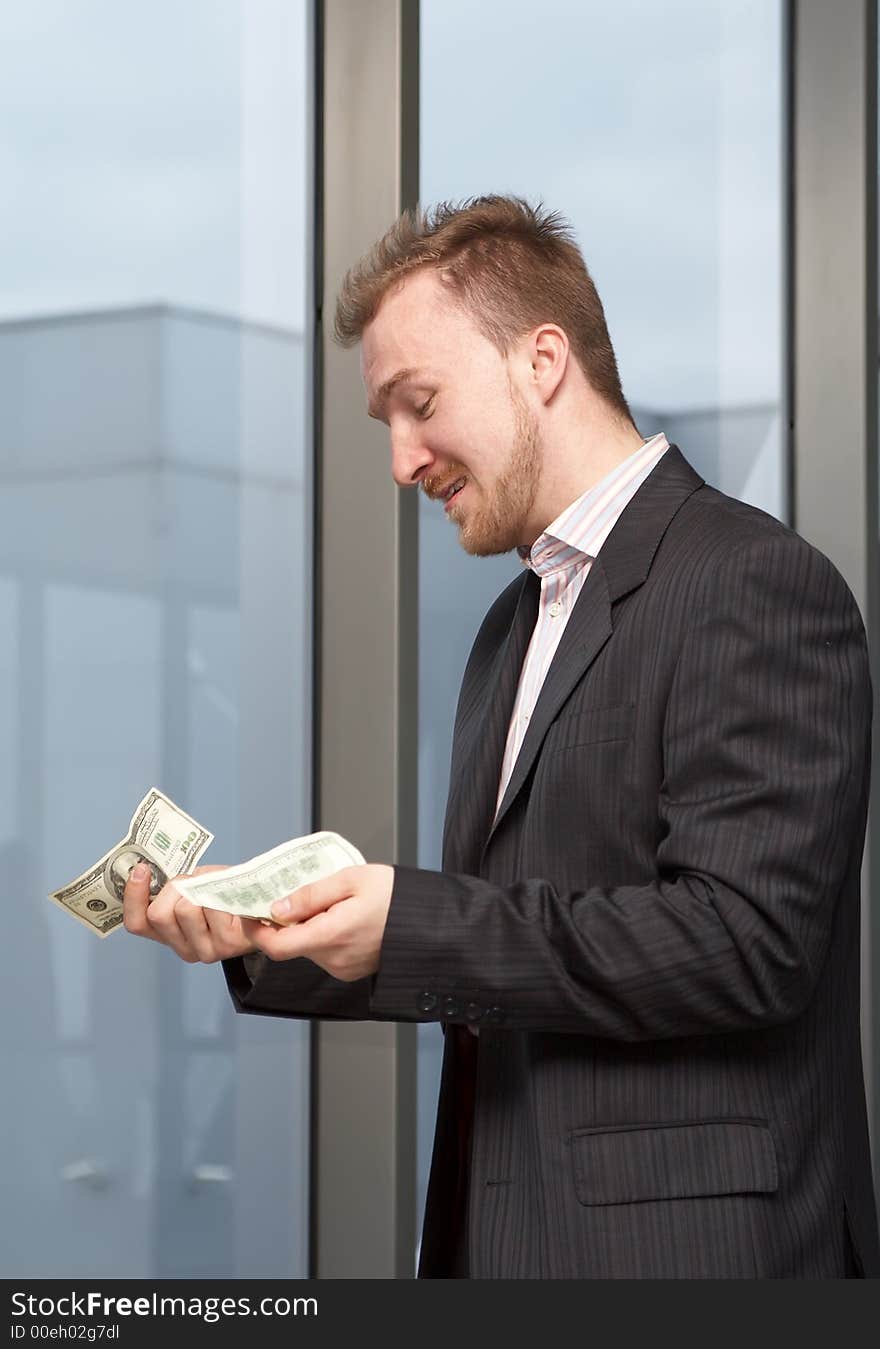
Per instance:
{"type": "Point", "coordinates": [658, 130]}
{"type": "Point", "coordinates": [155, 600]}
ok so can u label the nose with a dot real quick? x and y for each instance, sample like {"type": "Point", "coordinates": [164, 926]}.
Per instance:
{"type": "Point", "coordinates": [411, 459]}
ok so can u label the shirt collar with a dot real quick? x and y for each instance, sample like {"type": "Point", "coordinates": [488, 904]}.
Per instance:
{"type": "Point", "coordinates": [576, 535]}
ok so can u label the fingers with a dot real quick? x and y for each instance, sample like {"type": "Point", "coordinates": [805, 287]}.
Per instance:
{"type": "Point", "coordinates": [212, 935]}
{"type": "Point", "coordinates": [203, 935]}
{"type": "Point", "coordinates": [283, 943]}
{"type": "Point", "coordinates": [320, 938]}
{"type": "Point", "coordinates": [159, 920]}
{"type": "Point", "coordinates": [338, 922]}
{"type": "Point", "coordinates": [315, 898]}
{"type": "Point", "coordinates": [193, 933]}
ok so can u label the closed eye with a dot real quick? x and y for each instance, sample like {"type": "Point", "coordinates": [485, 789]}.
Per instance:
{"type": "Point", "coordinates": [427, 408]}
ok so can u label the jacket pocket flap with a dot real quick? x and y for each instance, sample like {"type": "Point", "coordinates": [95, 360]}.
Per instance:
{"type": "Point", "coordinates": [627, 1165]}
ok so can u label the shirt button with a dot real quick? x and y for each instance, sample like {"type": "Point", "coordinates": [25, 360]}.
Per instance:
{"type": "Point", "coordinates": [474, 1011]}
{"type": "Point", "coordinates": [555, 609]}
{"type": "Point", "coordinates": [450, 1007]}
{"type": "Point", "coordinates": [427, 1002]}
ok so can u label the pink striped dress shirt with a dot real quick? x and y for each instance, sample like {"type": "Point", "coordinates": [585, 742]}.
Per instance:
{"type": "Point", "coordinates": [562, 558]}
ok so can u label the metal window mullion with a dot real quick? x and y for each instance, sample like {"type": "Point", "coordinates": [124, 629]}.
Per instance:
{"type": "Point", "coordinates": [364, 1074]}
{"type": "Point", "coordinates": [834, 355]}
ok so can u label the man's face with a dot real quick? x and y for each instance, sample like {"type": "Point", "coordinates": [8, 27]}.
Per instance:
{"type": "Point", "coordinates": [455, 417]}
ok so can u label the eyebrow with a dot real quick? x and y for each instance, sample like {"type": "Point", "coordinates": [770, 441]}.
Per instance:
{"type": "Point", "coordinates": [401, 377]}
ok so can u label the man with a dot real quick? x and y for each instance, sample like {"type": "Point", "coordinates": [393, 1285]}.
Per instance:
{"type": "Point", "coordinates": [649, 902]}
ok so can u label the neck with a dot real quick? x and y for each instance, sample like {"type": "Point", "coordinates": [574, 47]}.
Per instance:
{"type": "Point", "coordinates": [575, 459]}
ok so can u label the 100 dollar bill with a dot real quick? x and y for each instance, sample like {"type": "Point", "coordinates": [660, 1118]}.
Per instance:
{"type": "Point", "coordinates": [160, 834]}
{"type": "Point", "coordinates": [250, 889]}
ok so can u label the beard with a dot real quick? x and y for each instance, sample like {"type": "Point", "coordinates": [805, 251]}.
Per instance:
{"type": "Point", "coordinates": [495, 522]}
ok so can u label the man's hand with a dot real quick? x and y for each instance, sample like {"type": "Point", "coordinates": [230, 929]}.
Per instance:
{"type": "Point", "coordinates": [196, 934]}
{"type": "Point", "coordinates": [337, 922]}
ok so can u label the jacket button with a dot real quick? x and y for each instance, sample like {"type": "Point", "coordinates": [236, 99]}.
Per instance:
{"type": "Point", "coordinates": [450, 1007]}
{"type": "Point", "coordinates": [473, 1011]}
{"type": "Point", "coordinates": [427, 1002]}
{"type": "Point", "coordinates": [494, 1016]}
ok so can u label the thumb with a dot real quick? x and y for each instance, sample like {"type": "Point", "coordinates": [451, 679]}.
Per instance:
{"type": "Point", "coordinates": [314, 898]}
{"type": "Point", "coordinates": [137, 887]}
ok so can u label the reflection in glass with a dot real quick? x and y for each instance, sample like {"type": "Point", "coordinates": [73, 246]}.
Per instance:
{"type": "Point", "coordinates": [154, 563]}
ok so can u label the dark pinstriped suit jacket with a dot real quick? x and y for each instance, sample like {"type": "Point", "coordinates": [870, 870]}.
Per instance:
{"type": "Point", "coordinates": [659, 935]}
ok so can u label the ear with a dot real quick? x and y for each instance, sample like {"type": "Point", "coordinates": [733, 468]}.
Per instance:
{"type": "Point", "coordinates": [548, 357]}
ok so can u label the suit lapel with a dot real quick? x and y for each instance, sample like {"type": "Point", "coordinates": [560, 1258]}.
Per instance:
{"type": "Point", "coordinates": [483, 735]}
{"type": "Point", "coordinates": [621, 567]}
{"type": "Point", "coordinates": [586, 632]}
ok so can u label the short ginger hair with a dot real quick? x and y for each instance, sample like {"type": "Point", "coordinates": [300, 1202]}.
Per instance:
{"type": "Point", "coordinates": [511, 266]}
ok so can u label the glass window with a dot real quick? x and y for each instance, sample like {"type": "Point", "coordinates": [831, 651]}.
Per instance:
{"type": "Point", "coordinates": [658, 130]}
{"type": "Point", "coordinates": [155, 596]}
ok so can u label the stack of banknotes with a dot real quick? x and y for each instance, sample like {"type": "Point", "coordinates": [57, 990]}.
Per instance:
{"type": "Point", "coordinates": [172, 843]}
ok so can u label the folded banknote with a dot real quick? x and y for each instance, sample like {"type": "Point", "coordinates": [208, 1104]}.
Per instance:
{"type": "Point", "coordinates": [160, 834]}
{"type": "Point", "coordinates": [250, 889]}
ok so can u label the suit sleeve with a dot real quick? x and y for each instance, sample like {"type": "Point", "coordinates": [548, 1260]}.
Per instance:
{"type": "Point", "coordinates": [761, 816]}
{"type": "Point", "coordinates": [301, 990]}
{"type": "Point", "coordinates": [294, 988]}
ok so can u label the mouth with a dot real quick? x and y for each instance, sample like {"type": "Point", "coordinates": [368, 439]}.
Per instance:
{"type": "Point", "coordinates": [453, 492]}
